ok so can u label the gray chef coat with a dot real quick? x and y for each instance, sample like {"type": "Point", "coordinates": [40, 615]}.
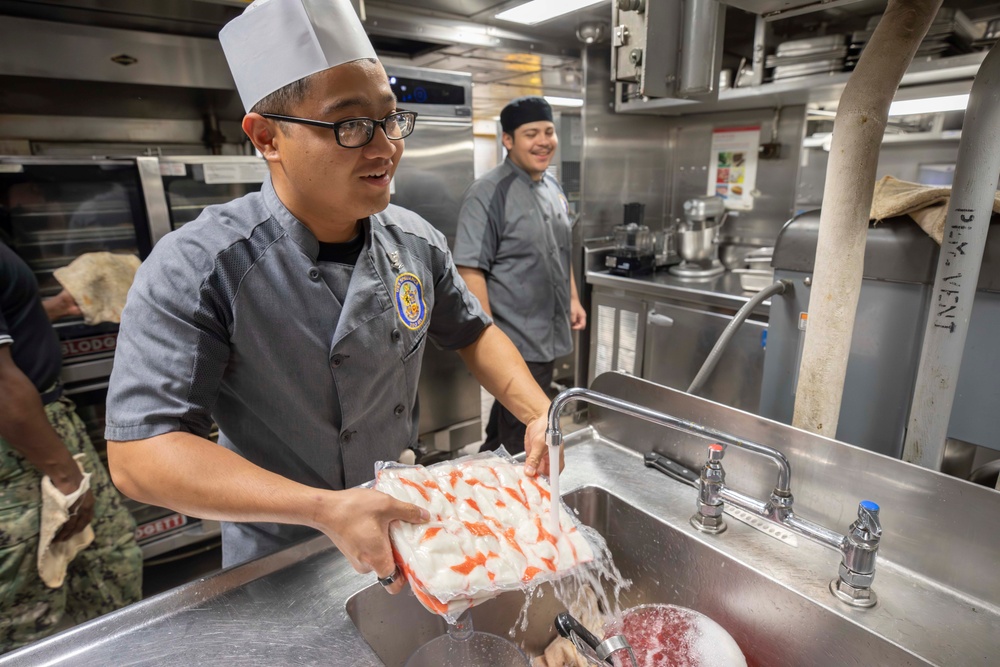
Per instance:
{"type": "Point", "coordinates": [231, 319]}
{"type": "Point", "coordinates": [518, 233]}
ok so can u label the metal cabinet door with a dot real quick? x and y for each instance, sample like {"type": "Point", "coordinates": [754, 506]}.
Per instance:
{"type": "Point", "coordinates": [678, 340]}
{"type": "Point", "coordinates": [618, 326]}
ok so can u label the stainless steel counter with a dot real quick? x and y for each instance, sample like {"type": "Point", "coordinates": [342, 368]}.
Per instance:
{"type": "Point", "coordinates": [722, 291]}
{"type": "Point", "coordinates": [662, 327]}
{"type": "Point", "coordinates": [939, 601]}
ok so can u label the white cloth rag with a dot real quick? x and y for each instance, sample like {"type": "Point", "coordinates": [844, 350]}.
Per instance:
{"type": "Point", "coordinates": [55, 557]}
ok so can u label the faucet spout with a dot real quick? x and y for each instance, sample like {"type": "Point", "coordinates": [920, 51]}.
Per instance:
{"type": "Point", "coordinates": [553, 434]}
{"type": "Point", "coordinates": [858, 548]}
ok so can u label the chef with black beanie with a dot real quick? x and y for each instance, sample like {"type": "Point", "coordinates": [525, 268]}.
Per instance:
{"type": "Point", "coordinates": [513, 248]}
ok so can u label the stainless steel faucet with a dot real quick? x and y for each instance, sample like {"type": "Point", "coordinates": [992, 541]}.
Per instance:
{"type": "Point", "coordinates": [858, 548]}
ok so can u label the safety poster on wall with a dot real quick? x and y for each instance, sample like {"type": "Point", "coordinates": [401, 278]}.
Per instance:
{"type": "Point", "coordinates": [732, 172]}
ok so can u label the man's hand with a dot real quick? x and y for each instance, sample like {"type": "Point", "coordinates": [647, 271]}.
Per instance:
{"type": "Point", "coordinates": [357, 520]}
{"type": "Point", "coordinates": [577, 315]}
{"type": "Point", "coordinates": [24, 425]}
{"type": "Point", "coordinates": [80, 516]}
{"type": "Point", "coordinates": [61, 305]}
{"type": "Point", "coordinates": [537, 460]}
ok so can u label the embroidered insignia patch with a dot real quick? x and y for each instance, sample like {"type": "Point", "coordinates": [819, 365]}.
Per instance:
{"type": "Point", "coordinates": [410, 301]}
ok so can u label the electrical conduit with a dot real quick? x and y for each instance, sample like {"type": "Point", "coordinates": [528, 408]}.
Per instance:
{"type": "Point", "coordinates": [959, 261]}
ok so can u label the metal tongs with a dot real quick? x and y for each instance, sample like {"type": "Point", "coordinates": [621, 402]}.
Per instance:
{"type": "Point", "coordinates": [573, 630]}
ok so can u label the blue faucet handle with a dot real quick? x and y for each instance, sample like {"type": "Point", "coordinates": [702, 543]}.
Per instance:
{"type": "Point", "coordinates": [868, 527]}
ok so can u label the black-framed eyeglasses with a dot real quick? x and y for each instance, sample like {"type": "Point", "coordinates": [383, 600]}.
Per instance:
{"type": "Point", "coordinates": [358, 132]}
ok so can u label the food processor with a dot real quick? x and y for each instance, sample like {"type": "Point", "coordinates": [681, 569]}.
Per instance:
{"type": "Point", "coordinates": [635, 252]}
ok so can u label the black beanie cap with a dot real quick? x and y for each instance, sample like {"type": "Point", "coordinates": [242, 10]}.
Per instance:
{"type": "Point", "coordinates": [524, 110]}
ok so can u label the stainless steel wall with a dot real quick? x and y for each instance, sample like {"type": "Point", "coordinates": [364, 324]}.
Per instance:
{"type": "Point", "coordinates": [662, 161]}
{"type": "Point", "coordinates": [626, 158]}
{"type": "Point", "coordinates": [900, 160]}
{"type": "Point", "coordinates": [775, 178]}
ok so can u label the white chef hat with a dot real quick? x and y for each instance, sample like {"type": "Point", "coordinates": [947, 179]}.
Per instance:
{"type": "Point", "coordinates": [277, 42]}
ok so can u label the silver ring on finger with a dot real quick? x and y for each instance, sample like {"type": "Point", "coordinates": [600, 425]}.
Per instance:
{"type": "Point", "coordinates": [391, 579]}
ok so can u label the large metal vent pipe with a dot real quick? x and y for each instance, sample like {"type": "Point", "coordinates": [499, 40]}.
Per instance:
{"type": "Point", "coordinates": [961, 256]}
{"type": "Point", "coordinates": [850, 182]}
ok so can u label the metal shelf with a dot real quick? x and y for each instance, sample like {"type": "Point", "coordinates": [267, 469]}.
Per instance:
{"type": "Point", "coordinates": [819, 141]}
{"type": "Point", "coordinates": [802, 90]}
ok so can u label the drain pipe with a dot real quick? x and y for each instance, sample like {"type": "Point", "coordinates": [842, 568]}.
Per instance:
{"type": "Point", "coordinates": [959, 261]}
{"type": "Point", "coordinates": [850, 182]}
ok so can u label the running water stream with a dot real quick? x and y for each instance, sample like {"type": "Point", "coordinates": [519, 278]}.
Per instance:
{"type": "Point", "coordinates": [556, 498]}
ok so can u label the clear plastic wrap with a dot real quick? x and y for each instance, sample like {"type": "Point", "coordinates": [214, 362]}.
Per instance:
{"type": "Point", "coordinates": [488, 532]}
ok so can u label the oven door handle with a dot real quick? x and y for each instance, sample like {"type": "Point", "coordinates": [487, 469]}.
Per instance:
{"type": "Point", "coordinates": [654, 318]}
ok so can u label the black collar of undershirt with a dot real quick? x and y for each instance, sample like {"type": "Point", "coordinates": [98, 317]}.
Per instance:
{"type": "Point", "coordinates": [342, 253]}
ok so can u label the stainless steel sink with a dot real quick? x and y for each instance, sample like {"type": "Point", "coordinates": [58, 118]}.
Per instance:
{"type": "Point", "coordinates": [773, 625]}
{"type": "Point", "coordinates": [938, 596]}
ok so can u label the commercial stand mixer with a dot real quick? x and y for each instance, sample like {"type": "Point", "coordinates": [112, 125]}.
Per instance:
{"type": "Point", "coordinates": [698, 238]}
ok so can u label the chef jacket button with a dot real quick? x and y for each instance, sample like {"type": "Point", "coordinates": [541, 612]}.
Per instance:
{"type": "Point", "coordinates": [399, 410]}
{"type": "Point", "coordinates": [313, 274]}
{"type": "Point", "coordinates": [345, 437]}
{"type": "Point", "coordinates": [396, 335]}
{"type": "Point", "coordinates": [337, 360]}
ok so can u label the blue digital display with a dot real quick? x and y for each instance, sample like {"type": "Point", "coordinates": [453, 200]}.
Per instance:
{"type": "Point", "coordinates": [414, 91]}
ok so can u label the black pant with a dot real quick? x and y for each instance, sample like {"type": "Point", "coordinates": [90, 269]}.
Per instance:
{"type": "Point", "coordinates": [504, 428]}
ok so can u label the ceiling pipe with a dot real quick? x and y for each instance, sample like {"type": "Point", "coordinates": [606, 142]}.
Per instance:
{"type": "Point", "coordinates": [850, 181]}
{"type": "Point", "coordinates": [959, 261]}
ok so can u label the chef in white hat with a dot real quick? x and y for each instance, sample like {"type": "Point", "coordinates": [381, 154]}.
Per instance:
{"type": "Point", "coordinates": [295, 318]}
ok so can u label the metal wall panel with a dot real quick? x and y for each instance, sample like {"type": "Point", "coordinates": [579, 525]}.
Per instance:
{"type": "Point", "coordinates": [662, 161]}
{"type": "Point", "coordinates": [775, 178]}
{"type": "Point", "coordinates": [900, 160]}
{"type": "Point", "coordinates": [625, 158]}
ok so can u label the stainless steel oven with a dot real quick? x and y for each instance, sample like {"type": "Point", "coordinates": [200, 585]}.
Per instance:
{"type": "Point", "coordinates": [191, 183]}
{"type": "Point", "coordinates": [51, 211]}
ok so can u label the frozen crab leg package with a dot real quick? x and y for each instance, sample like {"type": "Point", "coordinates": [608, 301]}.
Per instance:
{"type": "Point", "coordinates": [489, 531]}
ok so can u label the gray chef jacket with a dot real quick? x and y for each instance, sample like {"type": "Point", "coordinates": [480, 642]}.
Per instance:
{"type": "Point", "coordinates": [517, 231]}
{"type": "Point", "coordinates": [231, 320]}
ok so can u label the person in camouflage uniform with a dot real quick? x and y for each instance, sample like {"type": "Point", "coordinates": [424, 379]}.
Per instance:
{"type": "Point", "coordinates": [108, 573]}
